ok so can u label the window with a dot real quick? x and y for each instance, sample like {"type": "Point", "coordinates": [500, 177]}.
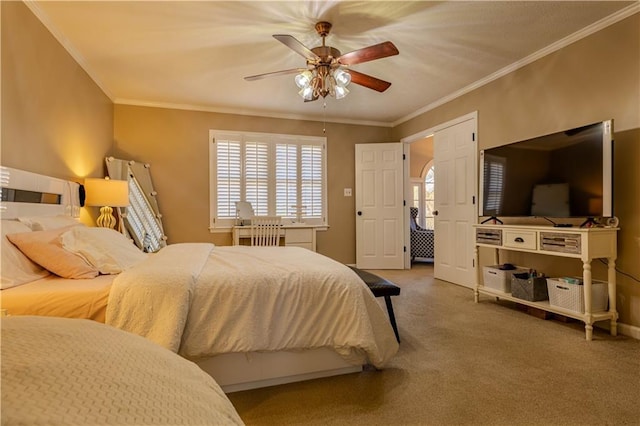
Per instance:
{"type": "Point", "coordinates": [282, 175]}
{"type": "Point", "coordinates": [423, 191]}
{"type": "Point", "coordinates": [417, 191]}
{"type": "Point", "coordinates": [429, 198]}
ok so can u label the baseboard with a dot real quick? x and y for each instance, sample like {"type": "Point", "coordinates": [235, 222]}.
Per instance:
{"type": "Point", "coordinates": [629, 330]}
{"type": "Point", "coordinates": [624, 329]}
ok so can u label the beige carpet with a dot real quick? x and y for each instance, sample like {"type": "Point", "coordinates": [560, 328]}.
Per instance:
{"type": "Point", "coordinates": [462, 363]}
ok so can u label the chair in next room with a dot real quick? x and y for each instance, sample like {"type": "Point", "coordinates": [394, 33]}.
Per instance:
{"type": "Point", "coordinates": [421, 238]}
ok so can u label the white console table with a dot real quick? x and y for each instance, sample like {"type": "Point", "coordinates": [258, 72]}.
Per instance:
{"type": "Point", "coordinates": [298, 235]}
{"type": "Point", "coordinates": [583, 243]}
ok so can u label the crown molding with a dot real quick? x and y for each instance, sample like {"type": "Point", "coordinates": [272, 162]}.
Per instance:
{"type": "Point", "coordinates": [248, 112]}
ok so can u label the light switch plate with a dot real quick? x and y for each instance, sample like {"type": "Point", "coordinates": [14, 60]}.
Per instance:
{"type": "Point", "coordinates": [347, 192]}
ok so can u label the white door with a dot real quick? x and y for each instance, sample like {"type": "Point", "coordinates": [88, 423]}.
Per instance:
{"type": "Point", "coordinates": [379, 206]}
{"type": "Point", "coordinates": [455, 153]}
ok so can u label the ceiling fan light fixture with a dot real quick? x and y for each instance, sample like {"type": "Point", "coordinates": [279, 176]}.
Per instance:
{"type": "Point", "coordinates": [343, 78]}
{"type": "Point", "coordinates": [306, 93]}
{"type": "Point", "coordinates": [340, 92]}
{"type": "Point", "coordinates": [303, 80]}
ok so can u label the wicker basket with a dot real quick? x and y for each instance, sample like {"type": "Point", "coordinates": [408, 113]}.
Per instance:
{"type": "Point", "coordinates": [500, 279]}
{"type": "Point", "coordinates": [571, 296]}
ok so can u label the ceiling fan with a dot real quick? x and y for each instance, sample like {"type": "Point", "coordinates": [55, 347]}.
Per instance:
{"type": "Point", "coordinates": [327, 71]}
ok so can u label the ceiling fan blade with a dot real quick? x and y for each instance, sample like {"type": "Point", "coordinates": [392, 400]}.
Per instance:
{"type": "Point", "coordinates": [368, 81]}
{"type": "Point", "coordinates": [370, 53]}
{"type": "Point", "coordinates": [273, 74]}
{"type": "Point", "coordinates": [293, 44]}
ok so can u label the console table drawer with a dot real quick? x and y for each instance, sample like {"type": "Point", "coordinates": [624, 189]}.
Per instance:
{"type": "Point", "coordinates": [520, 239]}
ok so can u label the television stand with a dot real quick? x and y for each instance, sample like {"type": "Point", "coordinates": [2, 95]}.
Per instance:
{"type": "Point", "coordinates": [585, 244]}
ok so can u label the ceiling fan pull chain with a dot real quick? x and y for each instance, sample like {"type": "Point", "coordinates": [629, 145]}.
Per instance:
{"type": "Point", "coordinates": [324, 117]}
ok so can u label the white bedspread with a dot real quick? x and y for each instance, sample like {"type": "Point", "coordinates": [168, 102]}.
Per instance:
{"type": "Point", "coordinates": [244, 299]}
{"type": "Point", "coordinates": [59, 371]}
{"type": "Point", "coordinates": [153, 298]}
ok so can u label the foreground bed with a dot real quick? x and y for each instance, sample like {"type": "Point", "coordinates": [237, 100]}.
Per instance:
{"type": "Point", "coordinates": [72, 371]}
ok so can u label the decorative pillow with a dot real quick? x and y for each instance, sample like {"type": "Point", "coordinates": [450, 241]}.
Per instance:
{"type": "Point", "coordinates": [107, 250]}
{"type": "Point", "coordinates": [16, 267]}
{"type": "Point", "coordinates": [46, 223]}
{"type": "Point", "coordinates": [45, 248]}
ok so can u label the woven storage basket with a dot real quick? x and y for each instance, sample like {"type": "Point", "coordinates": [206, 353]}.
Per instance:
{"type": "Point", "coordinates": [571, 296]}
{"type": "Point", "coordinates": [533, 289]}
{"type": "Point", "coordinates": [500, 279]}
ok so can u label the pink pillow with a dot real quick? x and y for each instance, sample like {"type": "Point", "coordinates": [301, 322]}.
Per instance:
{"type": "Point", "coordinates": [16, 268]}
{"type": "Point", "coordinates": [45, 249]}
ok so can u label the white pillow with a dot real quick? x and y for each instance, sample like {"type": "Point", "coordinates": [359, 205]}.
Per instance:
{"type": "Point", "coordinates": [16, 268]}
{"type": "Point", "coordinates": [46, 223]}
{"type": "Point", "coordinates": [107, 250]}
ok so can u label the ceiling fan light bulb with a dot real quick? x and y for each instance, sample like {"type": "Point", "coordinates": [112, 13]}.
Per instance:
{"type": "Point", "coordinates": [303, 79]}
{"type": "Point", "coordinates": [306, 93]}
{"type": "Point", "coordinates": [341, 92]}
{"type": "Point", "coordinates": [343, 78]}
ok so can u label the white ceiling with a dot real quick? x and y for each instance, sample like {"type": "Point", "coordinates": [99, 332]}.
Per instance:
{"type": "Point", "coordinates": [194, 55]}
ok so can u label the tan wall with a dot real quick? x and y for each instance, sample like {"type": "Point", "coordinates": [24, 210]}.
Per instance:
{"type": "Point", "coordinates": [593, 79]}
{"type": "Point", "coordinates": [420, 153]}
{"type": "Point", "coordinates": [55, 119]}
{"type": "Point", "coordinates": [175, 143]}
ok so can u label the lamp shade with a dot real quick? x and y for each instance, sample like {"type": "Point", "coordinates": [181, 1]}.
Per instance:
{"type": "Point", "coordinates": [106, 192]}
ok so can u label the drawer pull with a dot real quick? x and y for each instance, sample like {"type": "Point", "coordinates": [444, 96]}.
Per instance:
{"type": "Point", "coordinates": [519, 240]}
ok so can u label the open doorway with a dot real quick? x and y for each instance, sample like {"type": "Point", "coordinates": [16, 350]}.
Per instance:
{"type": "Point", "coordinates": [421, 203]}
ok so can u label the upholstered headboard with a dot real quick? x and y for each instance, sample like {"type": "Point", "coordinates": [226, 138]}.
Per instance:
{"type": "Point", "coordinates": [31, 194]}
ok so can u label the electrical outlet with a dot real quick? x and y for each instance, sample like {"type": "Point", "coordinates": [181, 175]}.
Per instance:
{"type": "Point", "coordinates": [347, 192]}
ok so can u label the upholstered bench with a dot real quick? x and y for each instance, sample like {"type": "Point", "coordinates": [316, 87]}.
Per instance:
{"type": "Point", "coordinates": [381, 287]}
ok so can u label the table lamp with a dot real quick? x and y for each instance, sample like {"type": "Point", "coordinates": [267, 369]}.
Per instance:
{"type": "Point", "coordinates": [106, 193]}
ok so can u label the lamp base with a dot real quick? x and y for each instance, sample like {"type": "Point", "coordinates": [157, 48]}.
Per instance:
{"type": "Point", "coordinates": [106, 218]}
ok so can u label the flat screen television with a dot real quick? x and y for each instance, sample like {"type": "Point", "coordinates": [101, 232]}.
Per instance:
{"type": "Point", "coordinates": [568, 174]}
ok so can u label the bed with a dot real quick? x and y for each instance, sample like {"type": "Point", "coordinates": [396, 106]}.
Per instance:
{"type": "Point", "coordinates": [74, 371]}
{"type": "Point", "coordinates": [249, 316]}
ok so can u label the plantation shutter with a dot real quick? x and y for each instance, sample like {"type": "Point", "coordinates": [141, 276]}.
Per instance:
{"type": "Point", "coordinates": [257, 176]}
{"type": "Point", "coordinates": [228, 177]}
{"type": "Point", "coordinates": [286, 180]}
{"type": "Point", "coordinates": [282, 175]}
{"type": "Point", "coordinates": [311, 181]}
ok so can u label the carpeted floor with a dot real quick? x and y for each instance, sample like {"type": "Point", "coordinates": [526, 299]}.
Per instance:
{"type": "Point", "coordinates": [462, 363]}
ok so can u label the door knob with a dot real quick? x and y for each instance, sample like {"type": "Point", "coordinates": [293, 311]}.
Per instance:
{"type": "Point", "coordinates": [435, 212]}
{"type": "Point", "coordinates": [359, 213]}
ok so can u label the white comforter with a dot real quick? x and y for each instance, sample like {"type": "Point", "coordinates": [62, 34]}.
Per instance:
{"type": "Point", "coordinates": [200, 300]}
{"type": "Point", "coordinates": [59, 371]}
